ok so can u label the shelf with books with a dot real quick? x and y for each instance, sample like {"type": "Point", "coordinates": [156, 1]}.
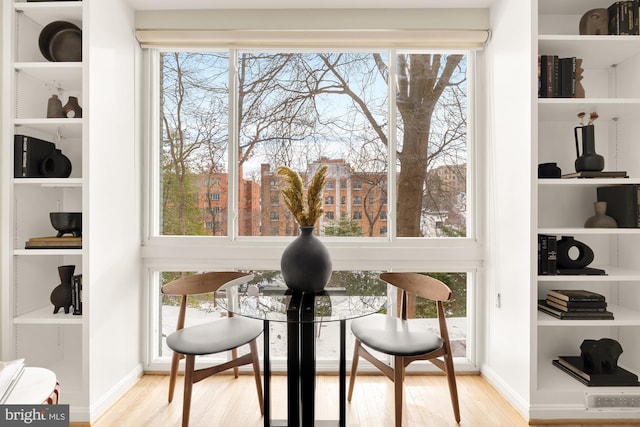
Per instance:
{"type": "Point", "coordinates": [595, 51]}
{"type": "Point", "coordinates": [45, 315]}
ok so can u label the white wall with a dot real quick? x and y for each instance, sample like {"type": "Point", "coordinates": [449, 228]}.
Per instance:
{"type": "Point", "coordinates": [113, 203]}
{"type": "Point", "coordinates": [509, 91]}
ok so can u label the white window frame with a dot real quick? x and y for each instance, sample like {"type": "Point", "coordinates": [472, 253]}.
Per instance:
{"type": "Point", "coordinates": [391, 253]}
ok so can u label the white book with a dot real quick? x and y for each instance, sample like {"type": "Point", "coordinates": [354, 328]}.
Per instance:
{"type": "Point", "coordinates": [10, 373]}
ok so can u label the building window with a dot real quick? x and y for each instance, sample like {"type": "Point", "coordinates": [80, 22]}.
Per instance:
{"type": "Point", "coordinates": [330, 185]}
{"type": "Point", "coordinates": [343, 200]}
{"type": "Point", "coordinates": [357, 184]}
{"type": "Point", "coordinates": [328, 200]}
{"type": "Point", "coordinates": [357, 200]}
{"type": "Point", "coordinates": [357, 215]}
{"type": "Point", "coordinates": [275, 216]}
{"type": "Point", "coordinates": [343, 184]}
{"type": "Point", "coordinates": [329, 215]}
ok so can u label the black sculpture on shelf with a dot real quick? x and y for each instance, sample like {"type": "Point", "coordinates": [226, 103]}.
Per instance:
{"type": "Point", "coordinates": [575, 265]}
{"type": "Point", "coordinates": [600, 356]}
{"type": "Point", "coordinates": [61, 296]}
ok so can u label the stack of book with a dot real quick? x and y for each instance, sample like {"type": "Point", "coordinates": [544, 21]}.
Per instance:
{"type": "Point", "coordinates": [575, 304]}
{"type": "Point", "coordinates": [10, 373]}
{"type": "Point", "coordinates": [557, 76]}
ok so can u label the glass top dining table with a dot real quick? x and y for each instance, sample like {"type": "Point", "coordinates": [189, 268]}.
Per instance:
{"type": "Point", "coordinates": [302, 312]}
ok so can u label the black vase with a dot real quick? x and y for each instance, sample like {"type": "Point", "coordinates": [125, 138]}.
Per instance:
{"type": "Point", "coordinates": [61, 294]}
{"type": "Point", "coordinates": [305, 263]}
{"type": "Point", "coordinates": [589, 160]}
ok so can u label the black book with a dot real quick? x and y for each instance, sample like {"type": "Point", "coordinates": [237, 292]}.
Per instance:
{"type": "Point", "coordinates": [577, 304]}
{"type": "Point", "coordinates": [543, 249]}
{"type": "Point", "coordinates": [28, 153]}
{"type": "Point", "coordinates": [567, 308]}
{"type": "Point", "coordinates": [544, 80]}
{"type": "Point", "coordinates": [622, 203]}
{"type": "Point", "coordinates": [574, 366]}
{"type": "Point", "coordinates": [556, 76]}
{"type": "Point", "coordinates": [547, 255]}
{"type": "Point", "coordinates": [615, 18]}
{"type": "Point", "coordinates": [567, 77]}
{"type": "Point", "coordinates": [76, 294]}
{"type": "Point", "coordinates": [575, 295]}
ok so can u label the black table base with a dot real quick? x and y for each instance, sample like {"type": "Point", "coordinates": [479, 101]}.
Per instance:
{"type": "Point", "coordinates": [301, 367]}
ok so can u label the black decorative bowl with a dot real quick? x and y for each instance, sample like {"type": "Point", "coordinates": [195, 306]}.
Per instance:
{"type": "Point", "coordinates": [67, 222]}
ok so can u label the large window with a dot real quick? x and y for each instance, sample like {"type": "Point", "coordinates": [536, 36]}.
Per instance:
{"type": "Point", "coordinates": [392, 126]}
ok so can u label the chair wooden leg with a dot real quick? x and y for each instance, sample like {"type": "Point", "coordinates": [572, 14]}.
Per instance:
{"type": "Point", "coordinates": [234, 355]}
{"type": "Point", "coordinates": [256, 373]}
{"type": "Point", "coordinates": [188, 386]}
{"type": "Point", "coordinates": [453, 388]}
{"type": "Point", "coordinates": [354, 368]}
{"type": "Point", "coordinates": [175, 360]}
{"type": "Point", "coordinates": [398, 379]}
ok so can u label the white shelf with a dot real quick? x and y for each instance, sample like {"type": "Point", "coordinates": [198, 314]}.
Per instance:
{"type": "Point", "coordinates": [45, 316]}
{"type": "Point", "coordinates": [50, 182]}
{"type": "Point", "coordinates": [614, 274]}
{"type": "Point", "coordinates": [47, 252]}
{"type": "Point", "coordinates": [46, 12]}
{"type": "Point", "coordinates": [64, 75]}
{"type": "Point", "coordinates": [569, 231]}
{"type": "Point", "coordinates": [596, 51]}
{"type": "Point", "coordinates": [63, 127]}
{"type": "Point", "coordinates": [563, 109]}
{"type": "Point", "coordinates": [622, 317]}
{"type": "Point", "coordinates": [586, 181]}
{"type": "Point", "coordinates": [554, 380]}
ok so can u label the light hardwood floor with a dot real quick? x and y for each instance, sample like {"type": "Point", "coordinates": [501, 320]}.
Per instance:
{"type": "Point", "coordinates": [224, 401]}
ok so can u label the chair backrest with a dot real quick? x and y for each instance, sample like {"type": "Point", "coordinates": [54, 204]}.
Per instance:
{"type": "Point", "coordinates": [205, 282]}
{"type": "Point", "coordinates": [201, 284]}
{"type": "Point", "coordinates": [419, 285]}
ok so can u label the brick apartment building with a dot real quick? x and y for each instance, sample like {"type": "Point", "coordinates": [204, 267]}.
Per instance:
{"type": "Point", "coordinates": [352, 198]}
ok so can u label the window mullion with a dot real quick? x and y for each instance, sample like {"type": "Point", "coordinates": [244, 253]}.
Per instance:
{"type": "Point", "coordinates": [233, 147]}
{"type": "Point", "coordinates": [392, 148]}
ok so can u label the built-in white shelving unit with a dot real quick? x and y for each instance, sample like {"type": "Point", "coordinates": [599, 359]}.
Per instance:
{"type": "Point", "coordinates": [85, 351]}
{"type": "Point", "coordinates": [611, 66]}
